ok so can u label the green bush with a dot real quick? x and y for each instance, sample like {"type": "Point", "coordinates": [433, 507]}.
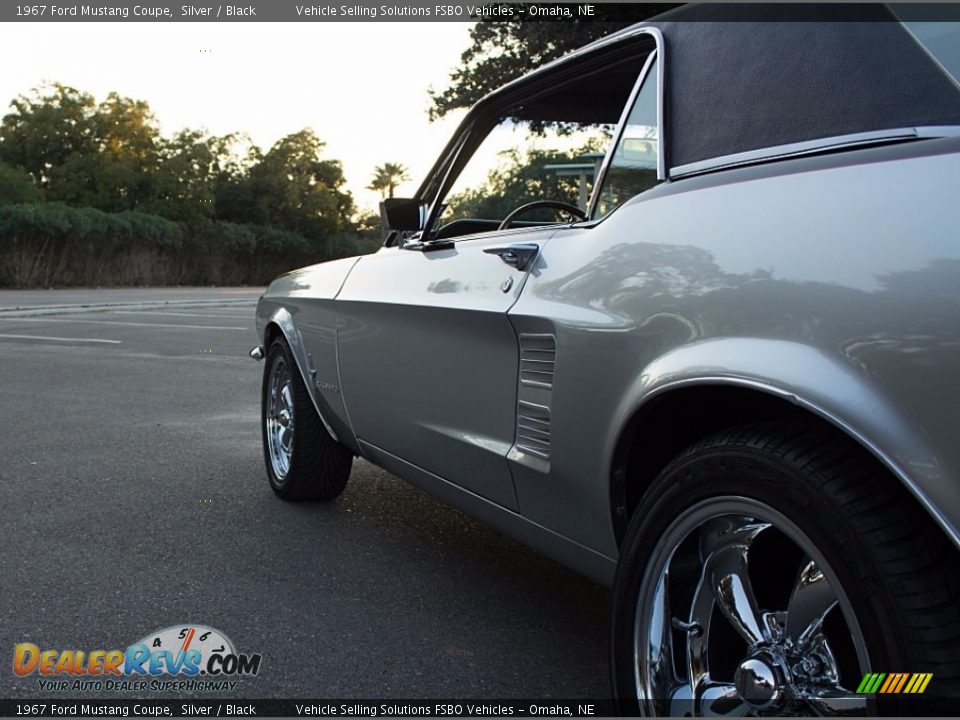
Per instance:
{"type": "Point", "coordinates": [52, 244]}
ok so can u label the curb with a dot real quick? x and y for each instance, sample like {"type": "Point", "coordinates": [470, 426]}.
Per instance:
{"type": "Point", "coordinates": [32, 311]}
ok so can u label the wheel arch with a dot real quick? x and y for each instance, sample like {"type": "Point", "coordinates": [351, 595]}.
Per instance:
{"type": "Point", "coordinates": [280, 324]}
{"type": "Point", "coordinates": [679, 400]}
{"type": "Point", "coordinates": [270, 333]}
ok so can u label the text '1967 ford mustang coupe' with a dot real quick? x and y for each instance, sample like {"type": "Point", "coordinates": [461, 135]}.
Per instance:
{"type": "Point", "coordinates": [700, 341]}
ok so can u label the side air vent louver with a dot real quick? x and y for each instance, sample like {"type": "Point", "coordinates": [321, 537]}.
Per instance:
{"type": "Point", "coordinates": [537, 355]}
{"type": "Point", "coordinates": [533, 429]}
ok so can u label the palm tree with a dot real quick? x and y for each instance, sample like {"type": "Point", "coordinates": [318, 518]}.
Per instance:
{"type": "Point", "coordinates": [386, 177]}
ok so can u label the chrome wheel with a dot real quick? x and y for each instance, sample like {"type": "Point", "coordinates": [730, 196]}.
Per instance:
{"type": "Point", "coordinates": [303, 460]}
{"type": "Point", "coordinates": [279, 418]}
{"type": "Point", "coordinates": [739, 614]}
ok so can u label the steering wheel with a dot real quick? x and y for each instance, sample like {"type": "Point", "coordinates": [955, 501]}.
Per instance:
{"type": "Point", "coordinates": [554, 204]}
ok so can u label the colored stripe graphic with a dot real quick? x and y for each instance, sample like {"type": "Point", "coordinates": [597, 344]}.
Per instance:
{"type": "Point", "coordinates": [865, 683]}
{"type": "Point", "coordinates": [901, 681]}
{"type": "Point", "coordinates": [875, 685]}
{"type": "Point", "coordinates": [894, 683]}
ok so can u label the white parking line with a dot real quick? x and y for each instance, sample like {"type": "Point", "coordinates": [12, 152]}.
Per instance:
{"type": "Point", "coordinates": [178, 314]}
{"type": "Point", "coordinates": [58, 339]}
{"type": "Point", "coordinates": [128, 324]}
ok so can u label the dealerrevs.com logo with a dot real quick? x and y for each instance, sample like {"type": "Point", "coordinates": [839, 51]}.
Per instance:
{"type": "Point", "coordinates": [178, 658]}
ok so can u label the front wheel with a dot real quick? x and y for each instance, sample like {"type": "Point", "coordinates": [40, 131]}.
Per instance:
{"type": "Point", "coordinates": [771, 570]}
{"type": "Point", "coordinates": [303, 461]}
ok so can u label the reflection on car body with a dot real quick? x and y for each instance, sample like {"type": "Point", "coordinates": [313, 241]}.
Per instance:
{"type": "Point", "coordinates": [726, 386]}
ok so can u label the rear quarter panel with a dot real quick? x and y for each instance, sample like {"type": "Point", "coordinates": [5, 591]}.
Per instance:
{"type": "Point", "coordinates": [832, 281]}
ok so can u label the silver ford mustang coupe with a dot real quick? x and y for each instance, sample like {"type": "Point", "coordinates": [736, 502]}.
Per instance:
{"type": "Point", "coordinates": [709, 355]}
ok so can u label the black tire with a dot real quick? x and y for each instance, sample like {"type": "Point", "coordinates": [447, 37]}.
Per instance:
{"type": "Point", "coordinates": [311, 464]}
{"type": "Point", "coordinates": [896, 572]}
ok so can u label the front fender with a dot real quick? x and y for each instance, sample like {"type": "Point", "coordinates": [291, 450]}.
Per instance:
{"type": "Point", "coordinates": [303, 302]}
{"type": "Point", "coordinates": [820, 383]}
{"type": "Point", "coordinates": [282, 319]}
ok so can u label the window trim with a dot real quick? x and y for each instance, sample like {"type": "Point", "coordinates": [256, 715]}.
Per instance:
{"type": "Point", "coordinates": [657, 56]}
{"type": "Point", "coordinates": [812, 147]}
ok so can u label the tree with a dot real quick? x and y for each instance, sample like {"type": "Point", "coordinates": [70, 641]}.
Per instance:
{"type": "Point", "coordinates": [503, 50]}
{"type": "Point", "coordinates": [386, 177]}
{"type": "Point", "coordinates": [79, 152]}
{"type": "Point", "coordinates": [115, 189]}
{"type": "Point", "coordinates": [46, 127]}
{"type": "Point", "coordinates": [290, 187]}
{"type": "Point", "coordinates": [16, 186]}
{"type": "Point", "coordinates": [116, 170]}
{"type": "Point", "coordinates": [191, 168]}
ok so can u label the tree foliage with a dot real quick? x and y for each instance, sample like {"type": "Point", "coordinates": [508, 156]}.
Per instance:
{"type": "Point", "coordinates": [503, 50]}
{"type": "Point", "coordinates": [191, 168]}
{"type": "Point", "coordinates": [45, 128]}
{"type": "Point", "coordinates": [93, 193]}
{"type": "Point", "coordinates": [111, 156]}
{"type": "Point", "coordinates": [16, 186]}
{"type": "Point", "coordinates": [292, 187]}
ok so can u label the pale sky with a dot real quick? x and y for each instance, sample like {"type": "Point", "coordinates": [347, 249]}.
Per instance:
{"type": "Point", "coordinates": [361, 86]}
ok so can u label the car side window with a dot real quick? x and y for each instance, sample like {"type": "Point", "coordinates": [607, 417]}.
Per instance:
{"type": "Point", "coordinates": [519, 163]}
{"type": "Point", "coordinates": [544, 149]}
{"type": "Point", "coordinates": [633, 165]}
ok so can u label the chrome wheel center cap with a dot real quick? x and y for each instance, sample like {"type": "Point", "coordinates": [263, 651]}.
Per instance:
{"type": "Point", "coordinates": [757, 682]}
{"type": "Point", "coordinates": [284, 418]}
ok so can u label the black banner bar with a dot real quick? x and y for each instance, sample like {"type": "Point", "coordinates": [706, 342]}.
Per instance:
{"type": "Point", "coordinates": [436, 11]}
{"type": "Point", "coordinates": [305, 708]}
{"type": "Point", "coordinates": [902, 705]}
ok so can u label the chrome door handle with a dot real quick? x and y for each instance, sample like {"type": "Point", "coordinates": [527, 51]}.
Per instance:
{"type": "Point", "coordinates": [519, 256]}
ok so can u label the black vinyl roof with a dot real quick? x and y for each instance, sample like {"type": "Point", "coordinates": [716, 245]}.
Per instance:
{"type": "Point", "coordinates": [752, 76]}
{"type": "Point", "coordinates": [775, 79]}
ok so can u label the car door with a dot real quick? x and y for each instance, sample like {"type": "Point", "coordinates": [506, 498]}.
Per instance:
{"type": "Point", "coordinates": [428, 359]}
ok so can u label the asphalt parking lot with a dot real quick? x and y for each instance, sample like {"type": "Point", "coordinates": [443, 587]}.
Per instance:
{"type": "Point", "coordinates": [135, 498]}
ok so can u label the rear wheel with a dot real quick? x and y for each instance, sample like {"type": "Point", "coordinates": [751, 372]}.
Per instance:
{"type": "Point", "coordinates": [303, 461]}
{"type": "Point", "coordinates": [770, 569]}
